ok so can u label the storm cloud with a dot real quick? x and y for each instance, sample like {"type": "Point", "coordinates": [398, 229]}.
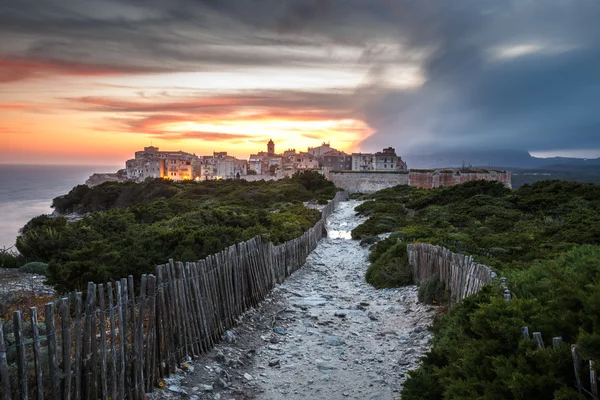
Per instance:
{"type": "Point", "coordinates": [487, 74]}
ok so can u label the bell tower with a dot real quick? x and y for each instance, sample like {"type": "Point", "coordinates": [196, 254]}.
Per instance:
{"type": "Point", "coordinates": [271, 147]}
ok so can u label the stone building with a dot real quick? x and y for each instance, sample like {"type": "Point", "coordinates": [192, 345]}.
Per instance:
{"type": "Point", "coordinates": [362, 162]}
{"type": "Point", "coordinates": [320, 150]}
{"type": "Point", "coordinates": [336, 161]}
{"type": "Point", "coordinates": [385, 160]}
{"type": "Point", "coordinates": [153, 163]}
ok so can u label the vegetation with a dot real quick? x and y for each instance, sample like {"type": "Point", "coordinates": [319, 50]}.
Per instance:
{"type": "Point", "coordinates": [9, 258]}
{"type": "Point", "coordinates": [544, 237]}
{"type": "Point", "coordinates": [389, 265]}
{"type": "Point", "coordinates": [35, 267]}
{"type": "Point", "coordinates": [128, 228]}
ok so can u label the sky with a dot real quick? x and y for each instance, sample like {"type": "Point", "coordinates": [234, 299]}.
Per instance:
{"type": "Point", "coordinates": [92, 81]}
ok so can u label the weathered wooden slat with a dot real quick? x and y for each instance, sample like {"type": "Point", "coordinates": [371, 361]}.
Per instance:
{"type": "Point", "coordinates": [179, 349]}
{"type": "Point", "coordinates": [134, 388]}
{"type": "Point", "coordinates": [6, 392]}
{"type": "Point", "coordinates": [593, 380]}
{"type": "Point", "coordinates": [87, 340]}
{"type": "Point", "coordinates": [538, 338]}
{"type": "Point", "coordinates": [163, 334]}
{"type": "Point", "coordinates": [23, 384]}
{"type": "Point", "coordinates": [103, 345]}
{"type": "Point", "coordinates": [66, 348]}
{"type": "Point", "coordinates": [124, 336]}
{"type": "Point", "coordinates": [113, 341]}
{"type": "Point", "coordinates": [37, 354]}
{"type": "Point", "coordinates": [121, 311]}
{"type": "Point", "coordinates": [139, 347]}
{"type": "Point", "coordinates": [77, 359]}
{"type": "Point", "coordinates": [576, 365]}
{"type": "Point", "coordinates": [53, 372]}
{"type": "Point", "coordinates": [150, 373]}
{"type": "Point", "coordinates": [556, 342]}
{"type": "Point", "coordinates": [192, 309]}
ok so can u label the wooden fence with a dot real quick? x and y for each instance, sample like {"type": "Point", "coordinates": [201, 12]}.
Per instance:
{"type": "Point", "coordinates": [580, 365]}
{"type": "Point", "coordinates": [459, 272]}
{"type": "Point", "coordinates": [119, 344]}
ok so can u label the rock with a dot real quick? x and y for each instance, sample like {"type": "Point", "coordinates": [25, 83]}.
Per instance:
{"type": "Point", "coordinates": [229, 337]}
{"type": "Point", "coordinates": [279, 331]}
{"type": "Point", "coordinates": [369, 240]}
{"type": "Point", "coordinates": [325, 367]}
{"type": "Point", "coordinates": [206, 388]}
{"type": "Point", "coordinates": [340, 314]}
{"type": "Point", "coordinates": [176, 389]}
{"type": "Point", "coordinates": [372, 316]}
{"type": "Point", "coordinates": [335, 341]}
{"type": "Point", "coordinates": [403, 362]}
{"type": "Point", "coordinates": [223, 383]}
{"type": "Point", "coordinates": [274, 362]}
{"type": "Point", "coordinates": [248, 377]}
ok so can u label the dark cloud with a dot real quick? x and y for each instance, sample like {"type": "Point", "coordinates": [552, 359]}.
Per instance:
{"type": "Point", "coordinates": [497, 73]}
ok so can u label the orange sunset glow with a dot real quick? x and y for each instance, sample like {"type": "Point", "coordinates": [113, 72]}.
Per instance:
{"type": "Point", "coordinates": [87, 117]}
{"type": "Point", "coordinates": [78, 113]}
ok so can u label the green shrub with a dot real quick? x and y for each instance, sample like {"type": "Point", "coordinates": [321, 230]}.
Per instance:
{"type": "Point", "coordinates": [433, 291]}
{"type": "Point", "coordinates": [35, 267]}
{"type": "Point", "coordinates": [391, 269]}
{"type": "Point", "coordinates": [10, 258]}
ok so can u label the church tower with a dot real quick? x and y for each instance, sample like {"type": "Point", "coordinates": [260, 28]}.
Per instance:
{"type": "Point", "coordinates": [271, 147]}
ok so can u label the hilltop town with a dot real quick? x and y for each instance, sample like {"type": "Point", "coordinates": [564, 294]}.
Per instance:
{"type": "Point", "coordinates": [356, 172]}
{"type": "Point", "coordinates": [180, 165]}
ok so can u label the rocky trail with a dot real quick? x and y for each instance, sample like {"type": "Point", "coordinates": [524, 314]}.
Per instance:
{"type": "Point", "coordinates": [322, 334]}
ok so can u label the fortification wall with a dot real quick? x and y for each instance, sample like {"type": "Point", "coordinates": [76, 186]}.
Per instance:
{"type": "Point", "coordinates": [369, 182]}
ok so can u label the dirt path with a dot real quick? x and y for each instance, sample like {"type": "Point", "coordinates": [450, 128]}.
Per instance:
{"type": "Point", "coordinates": [323, 334]}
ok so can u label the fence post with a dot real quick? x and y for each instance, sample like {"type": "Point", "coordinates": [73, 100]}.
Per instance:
{"type": "Point", "coordinates": [52, 347]}
{"type": "Point", "coordinates": [525, 332]}
{"type": "Point", "coordinates": [538, 338]}
{"type": "Point", "coordinates": [21, 361]}
{"type": "Point", "coordinates": [593, 380]}
{"type": "Point", "coordinates": [576, 365]}
{"type": "Point", "coordinates": [6, 395]}
{"type": "Point", "coordinates": [556, 341]}
{"type": "Point", "coordinates": [37, 353]}
{"type": "Point", "coordinates": [66, 347]}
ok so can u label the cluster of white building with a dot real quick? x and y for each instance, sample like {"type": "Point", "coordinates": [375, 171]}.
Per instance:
{"type": "Point", "coordinates": [179, 165]}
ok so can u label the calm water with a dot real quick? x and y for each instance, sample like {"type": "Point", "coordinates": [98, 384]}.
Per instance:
{"type": "Point", "coordinates": [27, 191]}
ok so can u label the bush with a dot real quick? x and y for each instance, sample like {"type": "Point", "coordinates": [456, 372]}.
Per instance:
{"type": "Point", "coordinates": [10, 258]}
{"type": "Point", "coordinates": [129, 228]}
{"type": "Point", "coordinates": [38, 268]}
{"type": "Point", "coordinates": [433, 291]}
{"type": "Point", "coordinates": [391, 269]}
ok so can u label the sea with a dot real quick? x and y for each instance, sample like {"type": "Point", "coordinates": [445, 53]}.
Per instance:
{"type": "Point", "coordinates": [27, 191]}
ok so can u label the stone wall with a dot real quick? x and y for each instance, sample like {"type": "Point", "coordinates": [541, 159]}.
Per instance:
{"type": "Point", "coordinates": [369, 182]}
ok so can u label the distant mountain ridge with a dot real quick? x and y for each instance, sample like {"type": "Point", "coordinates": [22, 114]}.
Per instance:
{"type": "Point", "coordinates": [486, 158]}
